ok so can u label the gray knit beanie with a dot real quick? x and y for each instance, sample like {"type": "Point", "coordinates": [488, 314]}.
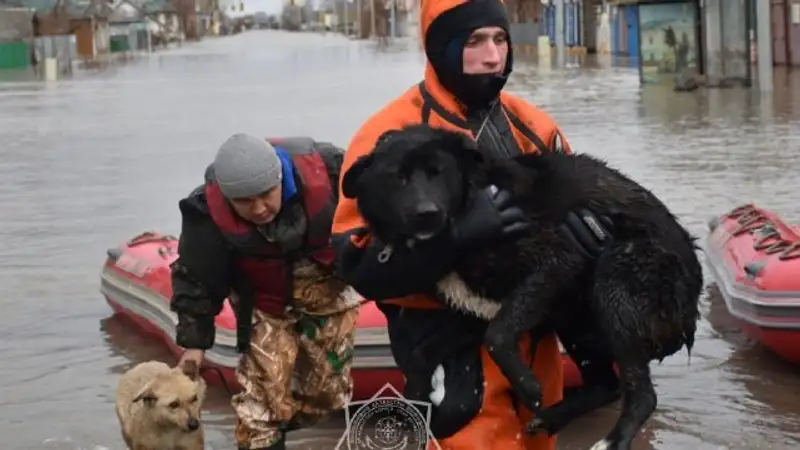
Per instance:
{"type": "Point", "coordinates": [246, 166]}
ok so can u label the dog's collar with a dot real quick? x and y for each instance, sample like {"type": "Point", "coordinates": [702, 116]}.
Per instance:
{"type": "Point", "coordinates": [388, 250]}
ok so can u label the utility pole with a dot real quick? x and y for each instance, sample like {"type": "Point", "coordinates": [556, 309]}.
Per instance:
{"type": "Point", "coordinates": [372, 19]}
{"type": "Point", "coordinates": [359, 7]}
{"type": "Point", "coordinates": [561, 54]}
{"type": "Point", "coordinates": [344, 7]}
{"type": "Point", "coordinates": [392, 18]}
{"type": "Point", "coordinates": [764, 45]}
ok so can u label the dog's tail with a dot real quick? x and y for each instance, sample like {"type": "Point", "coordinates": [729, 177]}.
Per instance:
{"type": "Point", "coordinates": [689, 345]}
{"type": "Point", "coordinates": [688, 300]}
{"type": "Point", "coordinates": [677, 308]}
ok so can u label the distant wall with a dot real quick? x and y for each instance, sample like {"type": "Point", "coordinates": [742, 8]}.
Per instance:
{"type": "Point", "coordinates": [16, 24]}
{"type": "Point", "coordinates": [524, 33]}
{"type": "Point", "coordinates": [16, 36]}
{"type": "Point", "coordinates": [726, 40]}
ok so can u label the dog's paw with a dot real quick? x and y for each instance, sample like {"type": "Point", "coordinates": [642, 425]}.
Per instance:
{"type": "Point", "coordinates": [547, 421]}
{"type": "Point", "coordinates": [603, 444]}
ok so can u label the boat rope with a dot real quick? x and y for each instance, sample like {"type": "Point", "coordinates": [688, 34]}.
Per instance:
{"type": "Point", "coordinates": [149, 236]}
{"type": "Point", "coordinates": [770, 241]}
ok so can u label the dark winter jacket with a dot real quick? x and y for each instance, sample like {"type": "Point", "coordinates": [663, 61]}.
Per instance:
{"type": "Point", "coordinates": [209, 267]}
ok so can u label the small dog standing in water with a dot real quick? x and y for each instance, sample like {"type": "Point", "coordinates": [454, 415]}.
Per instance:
{"type": "Point", "coordinates": [159, 407]}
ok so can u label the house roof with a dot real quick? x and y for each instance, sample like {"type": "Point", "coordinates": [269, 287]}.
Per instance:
{"type": "Point", "coordinates": [74, 8]}
{"type": "Point", "coordinates": [83, 8]}
{"type": "Point", "coordinates": [127, 11]}
{"type": "Point", "coordinates": [36, 5]}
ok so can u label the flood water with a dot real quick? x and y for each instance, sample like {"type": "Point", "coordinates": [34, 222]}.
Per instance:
{"type": "Point", "coordinates": [91, 161]}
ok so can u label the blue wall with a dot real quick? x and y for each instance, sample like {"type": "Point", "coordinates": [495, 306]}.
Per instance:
{"type": "Point", "coordinates": [573, 18]}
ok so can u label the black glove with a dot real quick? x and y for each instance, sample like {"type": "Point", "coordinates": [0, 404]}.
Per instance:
{"type": "Point", "coordinates": [588, 232]}
{"type": "Point", "coordinates": [491, 215]}
{"type": "Point", "coordinates": [380, 272]}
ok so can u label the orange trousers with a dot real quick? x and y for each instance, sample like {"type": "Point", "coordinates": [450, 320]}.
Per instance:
{"type": "Point", "coordinates": [498, 425]}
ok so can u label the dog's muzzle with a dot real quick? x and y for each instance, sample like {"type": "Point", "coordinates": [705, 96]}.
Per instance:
{"type": "Point", "coordinates": [428, 220]}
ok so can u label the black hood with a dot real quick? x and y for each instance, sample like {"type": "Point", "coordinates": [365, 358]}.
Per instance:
{"type": "Point", "coordinates": [444, 44]}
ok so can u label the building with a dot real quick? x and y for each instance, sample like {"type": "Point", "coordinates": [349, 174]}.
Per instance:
{"type": "Point", "coordinates": [785, 15]}
{"type": "Point", "coordinates": [86, 20]}
{"type": "Point", "coordinates": [726, 41]}
{"type": "Point", "coordinates": [16, 37]}
{"type": "Point", "coordinates": [663, 38]}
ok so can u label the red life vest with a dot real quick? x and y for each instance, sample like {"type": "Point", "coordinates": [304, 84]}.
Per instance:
{"type": "Point", "coordinates": [263, 262]}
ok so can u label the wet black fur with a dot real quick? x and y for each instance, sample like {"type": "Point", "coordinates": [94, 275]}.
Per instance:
{"type": "Point", "coordinates": [637, 303]}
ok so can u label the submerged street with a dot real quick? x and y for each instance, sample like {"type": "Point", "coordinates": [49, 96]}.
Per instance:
{"type": "Point", "coordinates": [91, 161]}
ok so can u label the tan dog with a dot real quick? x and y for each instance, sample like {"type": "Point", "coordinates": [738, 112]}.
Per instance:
{"type": "Point", "coordinates": [159, 407]}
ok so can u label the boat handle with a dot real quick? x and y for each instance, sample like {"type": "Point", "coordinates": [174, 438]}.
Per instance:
{"type": "Point", "coordinates": [164, 251]}
{"type": "Point", "coordinates": [792, 252]}
{"type": "Point", "coordinates": [149, 236]}
{"type": "Point", "coordinates": [768, 232]}
{"type": "Point", "coordinates": [750, 220]}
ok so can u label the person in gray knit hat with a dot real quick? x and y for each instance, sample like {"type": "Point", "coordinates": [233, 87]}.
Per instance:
{"type": "Point", "coordinates": [247, 166]}
{"type": "Point", "coordinates": [249, 173]}
{"type": "Point", "coordinates": [266, 208]}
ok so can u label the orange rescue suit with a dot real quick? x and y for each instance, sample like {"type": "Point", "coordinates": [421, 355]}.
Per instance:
{"type": "Point", "coordinates": [494, 421]}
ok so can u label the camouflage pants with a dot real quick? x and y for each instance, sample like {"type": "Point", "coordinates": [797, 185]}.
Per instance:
{"type": "Point", "coordinates": [317, 350]}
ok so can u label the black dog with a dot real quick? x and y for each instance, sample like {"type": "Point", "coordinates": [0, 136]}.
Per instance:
{"type": "Point", "coordinates": [637, 303]}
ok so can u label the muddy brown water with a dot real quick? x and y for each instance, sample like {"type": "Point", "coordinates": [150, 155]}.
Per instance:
{"type": "Point", "coordinates": [90, 161]}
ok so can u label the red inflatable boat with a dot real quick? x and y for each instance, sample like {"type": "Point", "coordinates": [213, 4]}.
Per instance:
{"type": "Point", "coordinates": [135, 281]}
{"type": "Point", "coordinates": [755, 259]}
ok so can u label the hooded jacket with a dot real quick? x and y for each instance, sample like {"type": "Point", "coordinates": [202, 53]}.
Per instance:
{"type": "Point", "coordinates": [220, 254]}
{"type": "Point", "coordinates": [509, 125]}
{"type": "Point", "coordinates": [478, 398]}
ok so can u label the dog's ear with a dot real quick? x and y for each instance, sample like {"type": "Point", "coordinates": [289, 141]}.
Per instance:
{"type": "Point", "coordinates": [190, 369]}
{"type": "Point", "coordinates": [146, 395]}
{"type": "Point", "coordinates": [385, 137]}
{"type": "Point", "coordinates": [350, 181]}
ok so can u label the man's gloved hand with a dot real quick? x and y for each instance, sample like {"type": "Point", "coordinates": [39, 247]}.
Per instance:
{"type": "Point", "coordinates": [491, 215]}
{"type": "Point", "coordinates": [589, 233]}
